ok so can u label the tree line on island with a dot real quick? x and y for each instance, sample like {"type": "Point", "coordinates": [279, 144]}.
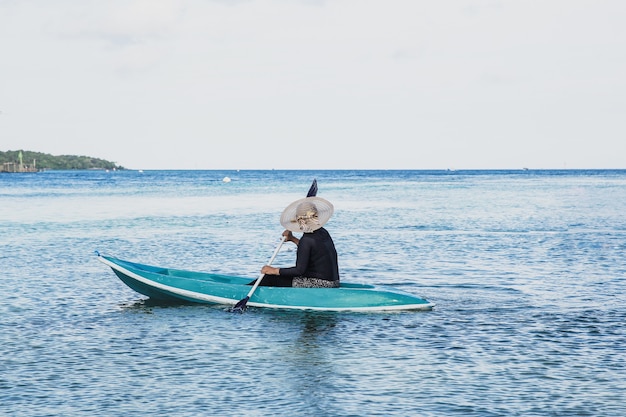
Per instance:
{"type": "Point", "coordinates": [29, 161]}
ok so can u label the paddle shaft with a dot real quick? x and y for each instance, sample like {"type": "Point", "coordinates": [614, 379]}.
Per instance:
{"type": "Point", "coordinates": [258, 281]}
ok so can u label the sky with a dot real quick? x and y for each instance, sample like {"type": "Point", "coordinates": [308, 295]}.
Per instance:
{"type": "Point", "coordinates": [317, 84]}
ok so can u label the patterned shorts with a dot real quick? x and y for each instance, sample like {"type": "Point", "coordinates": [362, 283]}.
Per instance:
{"type": "Point", "coordinates": [305, 282]}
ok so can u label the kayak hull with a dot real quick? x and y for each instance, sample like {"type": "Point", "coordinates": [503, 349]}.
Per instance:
{"type": "Point", "coordinates": [175, 285]}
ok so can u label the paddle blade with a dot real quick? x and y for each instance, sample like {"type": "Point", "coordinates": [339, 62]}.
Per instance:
{"type": "Point", "coordinates": [241, 305]}
{"type": "Point", "coordinates": [313, 190]}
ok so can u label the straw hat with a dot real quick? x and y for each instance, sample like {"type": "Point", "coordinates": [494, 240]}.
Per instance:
{"type": "Point", "coordinates": [307, 214]}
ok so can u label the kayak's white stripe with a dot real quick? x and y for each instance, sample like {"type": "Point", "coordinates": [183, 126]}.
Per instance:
{"type": "Point", "coordinates": [400, 307]}
{"type": "Point", "coordinates": [228, 301]}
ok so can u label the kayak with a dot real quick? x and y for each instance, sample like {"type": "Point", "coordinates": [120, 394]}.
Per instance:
{"type": "Point", "coordinates": [176, 285]}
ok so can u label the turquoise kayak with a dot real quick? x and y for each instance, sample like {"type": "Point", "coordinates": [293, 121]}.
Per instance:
{"type": "Point", "coordinates": [177, 285]}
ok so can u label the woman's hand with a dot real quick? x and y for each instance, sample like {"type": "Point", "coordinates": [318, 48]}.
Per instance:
{"type": "Point", "coordinates": [269, 270]}
{"type": "Point", "coordinates": [289, 237]}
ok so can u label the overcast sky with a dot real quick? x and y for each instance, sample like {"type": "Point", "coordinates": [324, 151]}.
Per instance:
{"type": "Point", "coordinates": [314, 84]}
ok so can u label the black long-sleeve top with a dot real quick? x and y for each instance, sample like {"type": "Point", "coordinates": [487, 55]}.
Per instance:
{"type": "Point", "coordinates": [316, 257]}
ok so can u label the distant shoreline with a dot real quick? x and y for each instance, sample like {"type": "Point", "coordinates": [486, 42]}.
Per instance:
{"type": "Point", "coordinates": [21, 161]}
{"type": "Point", "coordinates": [416, 171]}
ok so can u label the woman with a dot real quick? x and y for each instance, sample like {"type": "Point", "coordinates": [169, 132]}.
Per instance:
{"type": "Point", "coordinates": [316, 260]}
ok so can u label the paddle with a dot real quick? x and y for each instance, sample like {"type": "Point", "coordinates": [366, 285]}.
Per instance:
{"type": "Point", "coordinates": [241, 305]}
{"type": "Point", "coordinates": [313, 190]}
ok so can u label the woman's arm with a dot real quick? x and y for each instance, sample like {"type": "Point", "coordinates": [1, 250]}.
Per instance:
{"type": "Point", "coordinates": [270, 270]}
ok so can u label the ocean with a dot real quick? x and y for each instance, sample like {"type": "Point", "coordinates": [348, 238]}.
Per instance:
{"type": "Point", "coordinates": [526, 269]}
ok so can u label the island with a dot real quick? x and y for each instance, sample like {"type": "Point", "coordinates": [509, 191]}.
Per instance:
{"type": "Point", "coordinates": [29, 161]}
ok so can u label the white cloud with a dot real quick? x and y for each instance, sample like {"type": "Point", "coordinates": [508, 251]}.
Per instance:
{"type": "Point", "coordinates": [366, 84]}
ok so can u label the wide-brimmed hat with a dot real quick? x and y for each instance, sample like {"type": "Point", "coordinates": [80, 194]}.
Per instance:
{"type": "Point", "coordinates": [307, 214]}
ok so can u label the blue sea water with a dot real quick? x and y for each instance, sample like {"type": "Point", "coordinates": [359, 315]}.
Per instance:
{"type": "Point", "coordinates": [526, 268]}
